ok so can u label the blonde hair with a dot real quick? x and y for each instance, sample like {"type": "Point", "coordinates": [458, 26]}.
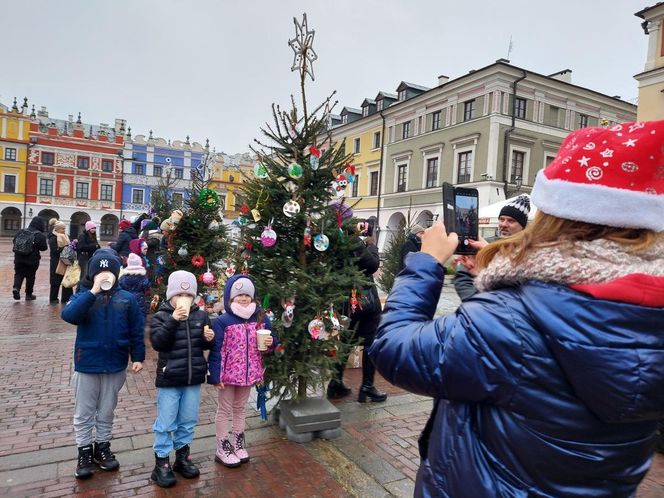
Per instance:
{"type": "Point", "coordinates": [550, 231]}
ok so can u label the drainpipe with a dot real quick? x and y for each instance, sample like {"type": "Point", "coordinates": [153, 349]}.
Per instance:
{"type": "Point", "coordinates": [380, 176]}
{"type": "Point", "coordinates": [509, 131]}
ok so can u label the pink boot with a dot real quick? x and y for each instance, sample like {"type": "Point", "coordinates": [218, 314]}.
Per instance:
{"type": "Point", "coordinates": [240, 447]}
{"type": "Point", "coordinates": [225, 454]}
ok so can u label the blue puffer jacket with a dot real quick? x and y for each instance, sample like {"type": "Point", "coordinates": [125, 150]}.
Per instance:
{"type": "Point", "coordinates": [109, 329]}
{"type": "Point", "coordinates": [540, 391]}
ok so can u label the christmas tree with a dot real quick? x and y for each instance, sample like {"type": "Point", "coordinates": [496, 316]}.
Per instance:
{"type": "Point", "coordinates": [392, 258]}
{"type": "Point", "coordinates": [299, 249]}
{"type": "Point", "coordinates": [197, 243]}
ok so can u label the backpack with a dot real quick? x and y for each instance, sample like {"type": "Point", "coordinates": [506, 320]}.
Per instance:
{"type": "Point", "coordinates": [24, 242]}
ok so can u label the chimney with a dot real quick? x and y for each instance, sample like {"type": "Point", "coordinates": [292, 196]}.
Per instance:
{"type": "Point", "coordinates": [43, 112]}
{"type": "Point", "coordinates": [564, 75]}
{"type": "Point", "coordinates": [442, 79]}
{"type": "Point", "coordinates": [71, 118]}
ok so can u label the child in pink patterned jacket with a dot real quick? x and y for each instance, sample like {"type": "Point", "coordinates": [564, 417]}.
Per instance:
{"type": "Point", "coordinates": [235, 364]}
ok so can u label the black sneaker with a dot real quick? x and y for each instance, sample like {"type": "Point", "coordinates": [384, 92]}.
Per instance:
{"type": "Point", "coordinates": [104, 457]}
{"type": "Point", "coordinates": [16, 294]}
{"type": "Point", "coordinates": [30, 297]}
{"type": "Point", "coordinates": [85, 467]}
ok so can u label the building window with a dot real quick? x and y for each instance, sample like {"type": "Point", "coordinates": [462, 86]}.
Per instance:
{"type": "Point", "coordinates": [405, 132]}
{"type": "Point", "coordinates": [379, 105]}
{"type": "Point", "coordinates": [157, 170]}
{"type": "Point", "coordinates": [82, 190]}
{"type": "Point", "coordinates": [178, 199]}
{"type": "Point", "coordinates": [48, 158]}
{"type": "Point", "coordinates": [435, 121]}
{"type": "Point", "coordinates": [45, 186]}
{"type": "Point", "coordinates": [402, 172]}
{"type": "Point", "coordinates": [179, 173]}
{"type": "Point", "coordinates": [139, 169]}
{"type": "Point", "coordinates": [402, 95]}
{"type": "Point", "coordinates": [10, 154]}
{"type": "Point", "coordinates": [9, 184]}
{"type": "Point", "coordinates": [432, 172]}
{"type": "Point", "coordinates": [356, 184]}
{"type": "Point", "coordinates": [106, 193]}
{"type": "Point", "coordinates": [356, 146]}
{"type": "Point", "coordinates": [520, 108]}
{"type": "Point", "coordinates": [83, 163]}
{"type": "Point", "coordinates": [554, 112]}
{"type": "Point", "coordinates": [469, 110]}
{"type": "Point", "coordinates": [344, 119]}
{"type": "Point", "coordinates": [137, 196]}
{"type": "Point", "coordinates": [373, 183]}
{"type": "Point", "coordinates": [106, 230]}
{"type": "Point", "coordinates": [548, 160]}
{"type": "Point", "coordinates": [376, 140]}
{"type": "Point", "coordinates": [518, 158]}
{"type": "Point", "coordinates": [465, 160]}
{"type": "Point", "coordinates": [583, 121]}
{"type": "Point", "coordinates": [365, 111]}
{"type": "Point", "coordinates": [11, 224]}
{"type": "Point", "coordinates": [107, 165]}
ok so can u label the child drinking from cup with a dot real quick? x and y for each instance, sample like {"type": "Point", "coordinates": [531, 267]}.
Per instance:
{"type": "Point", "coordinates": [179, 332]}
{"type": "Point", "coordinates": [235, 364]}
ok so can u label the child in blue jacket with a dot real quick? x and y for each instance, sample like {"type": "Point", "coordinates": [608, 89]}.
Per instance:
{"type": "Point", "coordinates": [109, 329]}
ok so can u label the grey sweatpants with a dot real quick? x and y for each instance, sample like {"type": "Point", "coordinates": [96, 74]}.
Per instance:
{"type": "Point", "coordinates": [96, 398]}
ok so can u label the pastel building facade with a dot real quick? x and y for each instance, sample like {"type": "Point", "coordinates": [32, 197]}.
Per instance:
{"type": "Point", "coordinates": [651, 80]}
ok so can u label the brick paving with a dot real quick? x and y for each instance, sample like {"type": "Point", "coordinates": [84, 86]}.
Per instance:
{"type": "Point", "coordinates": [375, 456]}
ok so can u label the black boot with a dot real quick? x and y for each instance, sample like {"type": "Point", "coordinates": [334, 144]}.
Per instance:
{"type": "Point", "coordinates": [183, 464]}
{"type": "Point", "coordinates": [104, 457]}
{"type": "Point", "coordinates": [162, 475]}
{"type": "Point", "coordinates": [337, 389]}
{"type": "Point", "coordinates": [370, 391]}
{"type": "Point", "coordinates": [85, 467]}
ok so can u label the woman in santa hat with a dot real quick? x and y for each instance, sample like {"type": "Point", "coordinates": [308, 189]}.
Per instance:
{"type": "Point", "coordinates": [550, 382]}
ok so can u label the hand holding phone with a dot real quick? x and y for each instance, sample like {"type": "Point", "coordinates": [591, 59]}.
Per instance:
{"type": "Point", "coordinates": [460, 213]}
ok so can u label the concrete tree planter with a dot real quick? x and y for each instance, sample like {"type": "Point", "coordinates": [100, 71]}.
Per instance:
{"type": "Point", "coordinates": [308, 418]}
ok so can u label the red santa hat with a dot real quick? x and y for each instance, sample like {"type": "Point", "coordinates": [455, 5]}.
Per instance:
{"type": "Point", "coordinates": [607, 176]}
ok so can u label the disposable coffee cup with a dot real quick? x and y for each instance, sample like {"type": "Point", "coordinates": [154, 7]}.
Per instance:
{"type": "Point", "coordinates": [184, 302]}
{"type": "Point", "coordinates": [261, 335]}
{"type": "Point", "coordinates": [107, 281]}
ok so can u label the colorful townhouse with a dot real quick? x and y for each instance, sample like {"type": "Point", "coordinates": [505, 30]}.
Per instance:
{"type": "Point", "coordinates": [651, 80]}
{"type": "Point", "coordinates": [14, 144]}
{"type": "Point", "coordinates": [228, 172]}
{"type": "Point", "coordinates": [150, 162]}
{"type": "Point", "coordinates": [75, 172]}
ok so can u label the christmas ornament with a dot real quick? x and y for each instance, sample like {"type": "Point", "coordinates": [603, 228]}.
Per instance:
{"type": "Point", "coordinates": [341, 182]}
{"type": "Point", "coordinates": [289, 311]}
{"type": "Point", "coordinates": [230, 271]}
{"type": "Point", "coordinates": [291, 208]}
{"type": "Point", "coordinates": [295, 170]}
{"type": "Point", "coordinates": [197, 261]}
{"type": "Point", "coordinates": [269, 236]}
{"type": "Point", "coordinates": [182, 252]}
{"type": "Point", "coordinates": [321, 242]}
{"type": "Point", "coordinates": [160, 260]}
{"type": "Point", "coordinates": [307, 235]}
{"type": "Point", "coordinates": [154, 304]}
{"type": "Point", "coordinates": [214, 225]}
{"type": "Point", "coordinates": [314, 151]}
{"type": "Point", "coordinates": [242, 221]}
{"type": "Point", "coordinates": [354, 302]}
{"type": "Point", "coordinates": [291, 186]}
{"type": "Point", "coordinates": [256, 214]}
{"type": "Point", "coordinates": [208, 198]}
{"type": "Point", "coordinates": [303, 51]}
{"type": "Point", "coordinates": [317, 329]}
{"type": "Point", "coordinates": [269, 314]}
{"type": "Point", "coordinates": [313, 162]}
{"type": "Point", "coordinates": [349, 172]}
{"type": "Point", "coordinates": [244, 209]}
{"type": "Point", "coordinates": [260, 171]}
{"type": "Point", "coordinates": [208, 277]}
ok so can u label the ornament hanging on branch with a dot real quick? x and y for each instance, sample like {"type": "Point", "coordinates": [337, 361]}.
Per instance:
{"type": "Point", "coordinates": [269, 236]}
{"type": "Point", "coordinates": [208, 277]}
{"type": "Point", "coordinates": [295, 171]}
{"type": "Point", "coordinates": [208, 198]}
{"type": "Point", "coordinates": [182, 252]}
{"type": "Point", "coordinates": [317, 329]}
{"type": "Point", "coordinates": [289, 312]}
{"type": "Point", "coordinates": [260, 171]}
{"type": "Point", "coordinates": [303, 52]}
{"type": "Point", "coordinates": [314, 157]}
{"type": "Point", "coordinates": [321, 242]}
{"type": "Point", "coordinates": [291, 208]}
{"type": "Point", "coordinates": [230, 270]}
{"type": "Point", "coordinates": [198, 261]}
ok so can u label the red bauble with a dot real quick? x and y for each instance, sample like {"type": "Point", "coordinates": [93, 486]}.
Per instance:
{"type": "Point", "coordinates": [197, 261]}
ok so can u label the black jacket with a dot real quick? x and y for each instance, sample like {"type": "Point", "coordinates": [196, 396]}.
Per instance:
{"type": "Point", "coordinates": [122, 244]}
{"type": "Point", "coordinates": [367, 318]}
{"type": "Point", "coordinates": [180, 346]}
{"type": "Point", "coordinates": [413, 244]}
{"type": "Point", "coordinates": [37, 226]}
{"type": "Point", "coordinates": [87, 245]}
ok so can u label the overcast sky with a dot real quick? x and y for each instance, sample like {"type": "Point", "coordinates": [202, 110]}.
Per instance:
{"type": "Point", "coordinates": [212, 68]}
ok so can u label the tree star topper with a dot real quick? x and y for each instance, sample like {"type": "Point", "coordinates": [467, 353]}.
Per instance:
{"type": "Point", "coordinates": [304, 54]}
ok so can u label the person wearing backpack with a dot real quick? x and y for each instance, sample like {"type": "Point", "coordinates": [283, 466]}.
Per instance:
{"type": "Point", "coordinates": [28, 243]}
{"type": "Point", "coordinates": [57, 241]}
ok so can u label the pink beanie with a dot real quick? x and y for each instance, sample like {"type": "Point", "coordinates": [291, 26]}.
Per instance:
{"type": "Point", "coordinates": [135, 265]}
{"type": "Point", "coordinates": [89, 225]}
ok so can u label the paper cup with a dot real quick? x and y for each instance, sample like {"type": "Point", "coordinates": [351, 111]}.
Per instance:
{"type": "Point", "coordinates": [108, 279]}
{"type": "Point", "coordinates": [184, 302]}
{"type": "Point", "coordinates": [261, 335]}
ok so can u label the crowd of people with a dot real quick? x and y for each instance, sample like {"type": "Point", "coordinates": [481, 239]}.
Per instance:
{"type": "Point", "coordinates": [548, 380]}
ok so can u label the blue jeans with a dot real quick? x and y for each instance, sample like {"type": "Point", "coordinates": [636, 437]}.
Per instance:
{"type": "Point", "coordinates": [177, 414]}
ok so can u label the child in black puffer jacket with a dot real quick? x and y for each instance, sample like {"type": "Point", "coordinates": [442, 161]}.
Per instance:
{"type": "Point", "coordinates": [180, 332]}
{"type": "Point", "coordinates": [134, 280]}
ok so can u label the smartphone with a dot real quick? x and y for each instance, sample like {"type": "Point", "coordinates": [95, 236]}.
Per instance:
{"type": "Point", "coordinates": [460, 215]}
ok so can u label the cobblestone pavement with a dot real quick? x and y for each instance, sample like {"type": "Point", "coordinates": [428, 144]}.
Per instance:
{"type": "Point", "coordinates": [376, 455]}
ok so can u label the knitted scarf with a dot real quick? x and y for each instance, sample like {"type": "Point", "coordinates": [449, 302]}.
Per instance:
{"type": "Point", "coordinates": [595, 262]}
